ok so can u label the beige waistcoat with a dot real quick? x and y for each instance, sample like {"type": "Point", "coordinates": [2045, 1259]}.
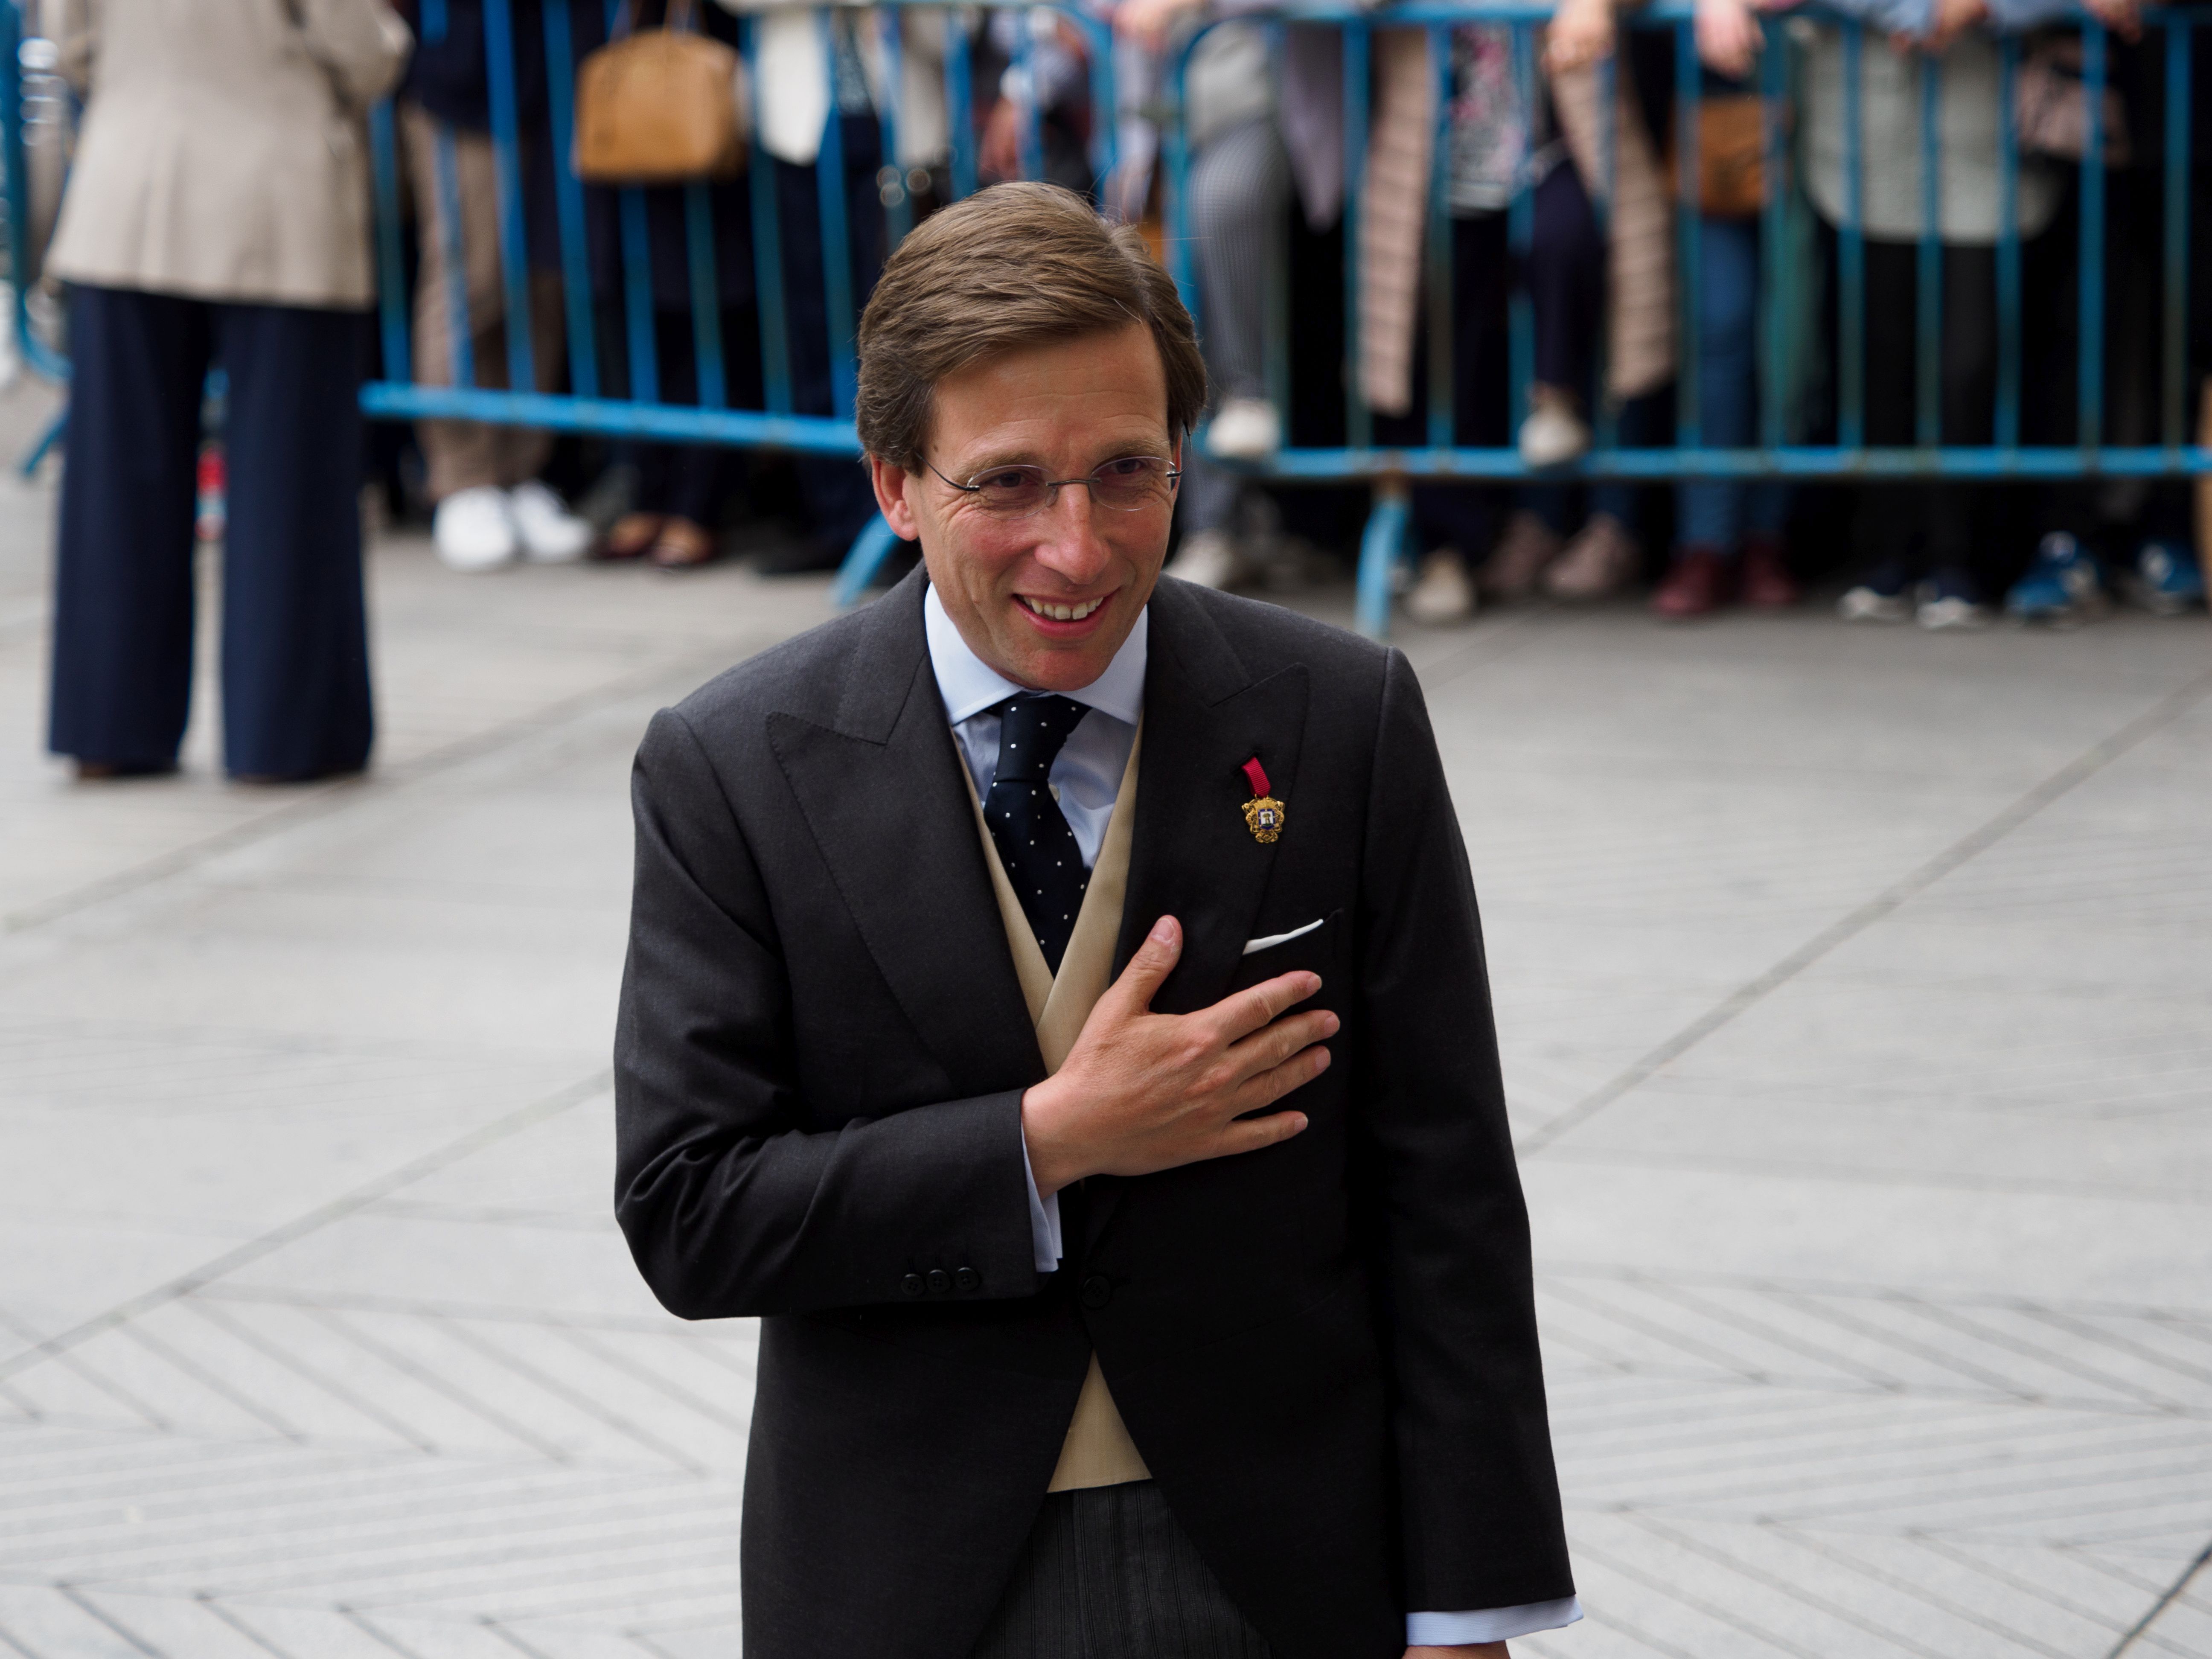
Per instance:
{"type": "Point", "coordinates": [1098, 1451]}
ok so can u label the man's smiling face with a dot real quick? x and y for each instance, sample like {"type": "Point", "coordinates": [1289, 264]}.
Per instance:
{"type": "Point", "coordinates": [1046, 599]}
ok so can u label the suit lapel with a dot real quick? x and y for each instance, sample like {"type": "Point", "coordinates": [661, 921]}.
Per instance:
{"type": "Point", "coordinates": [1206, 714]}
{"type": "Point", "coordinates": [882, 793]}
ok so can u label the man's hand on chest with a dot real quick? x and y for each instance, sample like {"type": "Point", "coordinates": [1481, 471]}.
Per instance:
{"type": "Point", "coordinates": [1142, 1091]}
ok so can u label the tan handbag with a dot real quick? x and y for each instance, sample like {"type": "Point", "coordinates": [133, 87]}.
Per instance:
{"type": "Point", "coordinates": [1731, 157]}
{"type": "Point", "coordinates": [659, 107]}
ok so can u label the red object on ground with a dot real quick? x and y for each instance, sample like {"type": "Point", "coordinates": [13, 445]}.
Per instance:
{"type": "Point", "coordinates": [213, 478]}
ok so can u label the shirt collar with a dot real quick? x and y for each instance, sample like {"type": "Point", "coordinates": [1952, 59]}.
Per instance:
{"type": "Point", "coordinates": [970, 685]}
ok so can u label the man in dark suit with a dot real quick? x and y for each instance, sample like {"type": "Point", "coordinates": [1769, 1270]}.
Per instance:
{"type": "Point", "coordinates": [1056, 1006]}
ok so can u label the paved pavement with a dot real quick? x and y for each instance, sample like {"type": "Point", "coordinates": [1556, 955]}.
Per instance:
{"type": "Point", "coordinates": [1853, 988]}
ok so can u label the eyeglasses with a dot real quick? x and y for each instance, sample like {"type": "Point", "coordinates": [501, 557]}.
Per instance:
{"type": "Point", "coordinates": [1128, 483]}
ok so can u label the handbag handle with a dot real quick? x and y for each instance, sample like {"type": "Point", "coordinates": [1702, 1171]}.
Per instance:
{"type": "Point", "coordinates": [677, 19]}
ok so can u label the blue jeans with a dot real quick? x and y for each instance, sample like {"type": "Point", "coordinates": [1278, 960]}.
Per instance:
{"type": "Point", "coordinates": [1719, 515]}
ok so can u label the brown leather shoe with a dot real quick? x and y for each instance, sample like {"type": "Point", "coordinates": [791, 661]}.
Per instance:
{"type": "Point", "coordinates": [1764, 578]}
{"type": "Point", "coordinates": [1696, 583]}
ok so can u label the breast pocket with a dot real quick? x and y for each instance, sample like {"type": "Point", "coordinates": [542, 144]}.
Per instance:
{"type": "Point", "coordinates": [1315, 946]}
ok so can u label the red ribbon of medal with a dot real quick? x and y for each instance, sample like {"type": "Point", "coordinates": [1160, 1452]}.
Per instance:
{"type": "Point", "coordinates": [1263, 813]}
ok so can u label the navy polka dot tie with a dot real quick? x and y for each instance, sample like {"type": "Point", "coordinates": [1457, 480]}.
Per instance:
{"type": "Point", "coordinates": [1038, 849]}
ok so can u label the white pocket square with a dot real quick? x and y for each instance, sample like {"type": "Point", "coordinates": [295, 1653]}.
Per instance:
{"type": "Point", "coordinates": [1252, 945]}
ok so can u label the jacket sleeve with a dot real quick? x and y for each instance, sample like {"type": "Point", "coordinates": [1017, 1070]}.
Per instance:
{"type": "Point", "coordinates": [1480, 1500]}
{"type": "Point", "coordinates": [362, 44]}
{"type": "Point", "coordinates": [731, 1203]}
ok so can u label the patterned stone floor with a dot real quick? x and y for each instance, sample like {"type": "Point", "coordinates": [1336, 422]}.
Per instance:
{"type": "Point", "coordinates": [1855, 991]}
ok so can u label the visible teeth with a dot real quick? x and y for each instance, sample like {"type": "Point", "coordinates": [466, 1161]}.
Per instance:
{"type": "Point", "coordinates": [1063, 613]}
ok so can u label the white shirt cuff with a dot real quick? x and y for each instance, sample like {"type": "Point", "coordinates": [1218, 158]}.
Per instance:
{"type": "Point", "coordinates": [1044, 1225]}
{"type": "Point", "coordinates": [1445, 1630]}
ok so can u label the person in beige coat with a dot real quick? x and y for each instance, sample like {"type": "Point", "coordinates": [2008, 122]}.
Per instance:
{"type": "Point", "coordinates": [217, 215]}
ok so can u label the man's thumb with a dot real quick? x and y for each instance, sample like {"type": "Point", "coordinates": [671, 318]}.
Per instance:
{"type": "Point", "coordinates": [1154, 961]}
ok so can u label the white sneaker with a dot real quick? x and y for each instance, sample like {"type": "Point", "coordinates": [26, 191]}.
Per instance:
{"type": "Point", "coordinates": [1443, 593]}
{"type": "Point", "coordinates": [1602, 556]}
{"type": "Point", "coordinates": [1554, 434]}
{"type": "Point", "coordinates": [1246, 429]}
{"type": "Point", "coordinates": [550, 534]}
{"type": "Point", "coordinates": [474, 529]}
{"type": "Point", "coordinates": [1867, 604]}
{"type": "Point", "coordinates": [1210, 559]}
{"type": "Point", "coordinates": [1949, 612]}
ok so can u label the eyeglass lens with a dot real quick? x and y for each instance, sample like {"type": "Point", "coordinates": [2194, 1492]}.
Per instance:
{"type": "Point", "coordinates": [1125, 485]}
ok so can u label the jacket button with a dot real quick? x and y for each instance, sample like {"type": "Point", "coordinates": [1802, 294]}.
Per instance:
{"type": "Point", "coordinates": [967, 1280]}
{"type": "Point", "coordinates": [1098, 1290]}
{"type": "Point", "coordinates": [912, 1284]}
{"type": "Point", "coordinates": [939, 1281]}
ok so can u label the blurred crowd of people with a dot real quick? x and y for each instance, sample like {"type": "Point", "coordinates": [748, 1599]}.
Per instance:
{"type": "Point", "coordinates": [219, 214]}
{"type": "Point", "coordinates": [1599, 273]}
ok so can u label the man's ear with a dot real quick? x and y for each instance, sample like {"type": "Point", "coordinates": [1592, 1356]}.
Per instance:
{"type": "Point", "coordinates": [889, 479]}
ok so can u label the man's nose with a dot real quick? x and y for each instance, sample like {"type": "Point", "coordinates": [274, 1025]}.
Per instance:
{"type": "Point", "coordinates": [1073, 544]}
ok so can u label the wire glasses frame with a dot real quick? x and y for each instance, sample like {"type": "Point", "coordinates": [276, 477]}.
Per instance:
{"type": "Point", "coordinates": [1128, 483]}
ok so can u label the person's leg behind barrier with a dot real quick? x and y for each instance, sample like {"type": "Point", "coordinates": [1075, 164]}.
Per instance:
{"type": "Point", "coordinates": [1889, 520]}
{"type": "Point", "coordinates": [1956, 508]}
{"type": "Point", "coordinates": [123, 595]}
{"type": "Point", "coordinates": [1565, 275]}
{"type": "Point", "coordinates": [443, 162]}
{"type": "Point", "coordinates": [296, 691]}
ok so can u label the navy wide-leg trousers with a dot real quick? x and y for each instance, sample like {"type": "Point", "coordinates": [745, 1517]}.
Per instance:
{"type": "Point", "coordinates": [296, 697]}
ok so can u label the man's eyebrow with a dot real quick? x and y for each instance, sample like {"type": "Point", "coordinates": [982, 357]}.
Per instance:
{"type": "Point", "coordinates": [1135, 446]}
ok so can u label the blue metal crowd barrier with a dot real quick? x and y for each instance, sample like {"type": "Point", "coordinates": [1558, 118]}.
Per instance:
{"type": "Point", "coordinates": [585, 406]}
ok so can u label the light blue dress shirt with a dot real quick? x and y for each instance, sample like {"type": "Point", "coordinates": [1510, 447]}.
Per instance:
{"type": "Point", "coordinates": [1084, 779]}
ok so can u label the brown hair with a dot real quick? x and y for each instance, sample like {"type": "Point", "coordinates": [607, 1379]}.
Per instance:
{"type": "Point", "coordinates": [1014, 265]}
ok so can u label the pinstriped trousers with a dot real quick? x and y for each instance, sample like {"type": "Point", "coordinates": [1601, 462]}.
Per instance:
{"type": "Point", "coordinates": [1107, 1574]}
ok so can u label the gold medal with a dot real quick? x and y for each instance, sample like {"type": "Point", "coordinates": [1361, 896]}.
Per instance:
{"type": "Point", "coordinates": [1263, 813]}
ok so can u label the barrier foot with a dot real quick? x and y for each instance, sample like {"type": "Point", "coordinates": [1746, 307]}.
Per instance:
{"type": "Point", "coordinates": [47, 439]}
{"type": "Point", "coordinates": [1380, 549]}
{"type": "Point", "coordinates": [869, 551]}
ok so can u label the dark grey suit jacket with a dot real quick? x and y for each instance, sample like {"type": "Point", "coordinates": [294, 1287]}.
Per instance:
{"type": "Point", "coordinates": [1326, 1351]}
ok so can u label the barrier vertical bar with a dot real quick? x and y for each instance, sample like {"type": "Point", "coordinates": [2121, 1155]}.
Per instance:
{"type": "Point", "coordinates": [1776, 288]}
{"type": "Point", "coordinates": [1176, 151]}
{"type": "Point", "coordinates": [960, 102]}
{"type": "Point", "coordinates": [637, 298]}
{"type": "Point", "coordinates": [768, 250]}
{"type": "Point", "coordinates": [706, 295]}
{"type": "Point", "coordinates": [2007, 426]}
{"type": "Point", "coordinates": [506, 172]}
{"type": "Point", "coordinates": [1441, 318]}
{"type": "Point", "coordinates": [1928, 268]}
{"type": "Point", "coordinates": [642, 349]}
{"type": "Point", "coordinates": [459, 340]}
{"type": "Point", "coordinates": [1357, 431]}
{"type": "Point", "coordinates": [836, 232]}
{"type": "Point", "coordinates": [2181, 38]}
{"type": "Point", "coordinates": [1380, 548]}
{"type": "Point", "coordinates": [391, 268]}
{"type": "Point", "coordinates": [1105, 134]}
{"type": "Point", "coordinates": [2092, 325]}
{"type": "Point", "coordinates": [1521, 233]}
{"type": "Point", "coordinates": [1850, 255]}
{"type": "Point", "coordinates": [1029, 116]}
{"type": "Point", "coordinates": [568, 200]}
{"type": "Point", "coordinates": [19, 177]}
{"type": "Point", "coordinates": [1689, 234]}
{"type": "Point", "coordinates": [897, 200]}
